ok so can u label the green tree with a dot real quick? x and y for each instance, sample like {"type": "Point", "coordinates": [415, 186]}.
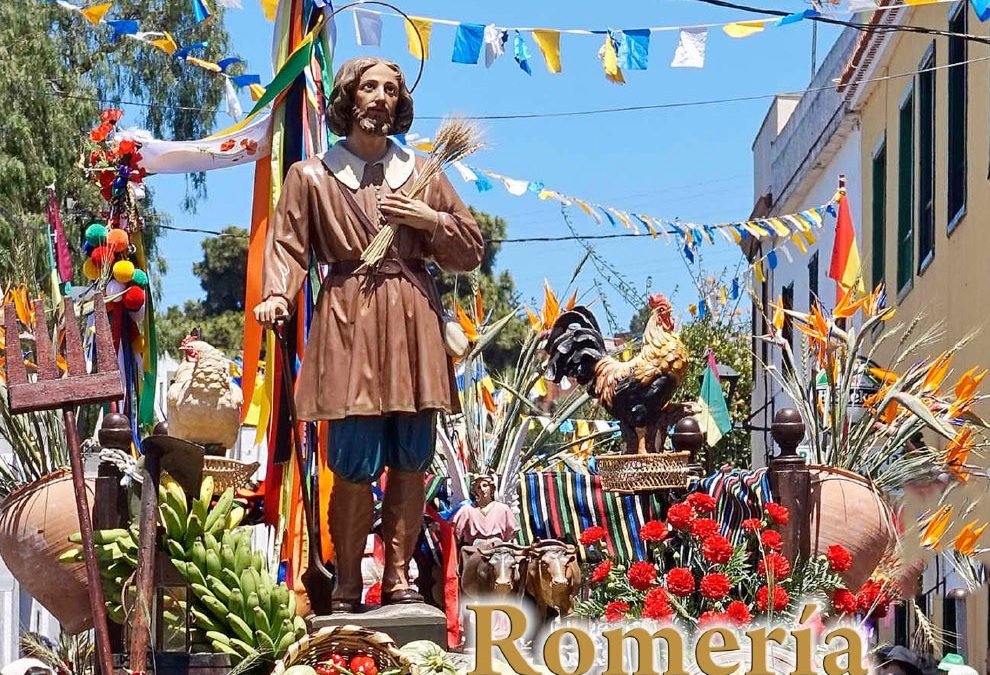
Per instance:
{"type": "Point", "coordinates": [58, 72]}
{"type": "Point", "coordinates": [498, 293]}
{"type": "Point", "coordinates": [730, 341]}
{"type": "Point", "coordinates": [220, 317]}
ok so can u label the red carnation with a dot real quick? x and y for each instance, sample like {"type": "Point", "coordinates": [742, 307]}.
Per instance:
{"type": "Point", "coordinates": [752, 524]}
{"type": "Point", "coordinates": [100, 133]}
{"type": "Point", "coordinates": [778, 514]}
{"type": "Point", "coordinates": [873, 600]}
{"type": "Point", "coordinates": [111, 115]}
{"type": "Point", "coordinates": [844, 601]}
{"type": "Point", "coordinates": [616, 611]}
{"type": "Point", "coordinates": [704, 527]}
{"type": "Point", "coordinates": [738, 613]}
{"type": "Point", "coordinates": [716, 549]}
{"type": "Point", "coordinates": [712, 618]}
{"type": "Point", "coordinates": [592, 535]}
{"type": "Point", "coordinates": [701, 502]}
{"type": "Point", "coordinates": [642, 575]}
{"type": "Point", "coordinates": [680, 516]}
{"type": "Point", "coordinates": [653, 530]}
{"type": "Point", "coordinates": [780, 598]}
{"type": "Point", "coordinates": [680, 581]}
{"type": "Point", "coordinates": [771, 539]}
{"type": "Point", "coordinates": [714, 586]}
{"type": "Point", "coordinates": [656, 605]}
{"type": "Point", "coordinates": [600, 573]}
{"type": "Point", "coordinates": [774, 565]}
{"type": "Point", "coordinates": [839, 558]}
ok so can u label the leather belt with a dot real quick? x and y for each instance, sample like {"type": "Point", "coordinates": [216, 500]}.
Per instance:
{"type": "Point", "coordinates": [387, 267]}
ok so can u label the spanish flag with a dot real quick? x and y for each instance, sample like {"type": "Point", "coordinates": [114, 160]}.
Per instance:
{"type": "Point", "coordinates": [845, 267]}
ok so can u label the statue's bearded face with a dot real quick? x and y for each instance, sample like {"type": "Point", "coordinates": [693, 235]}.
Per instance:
{"type": "Point", "coordinates": [375, 100]}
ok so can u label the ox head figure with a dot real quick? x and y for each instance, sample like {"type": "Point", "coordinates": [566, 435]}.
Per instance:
{"type": "Point", "coordinates": [554, 574]}
{"type": "Point", "coordinates": [503, 565]}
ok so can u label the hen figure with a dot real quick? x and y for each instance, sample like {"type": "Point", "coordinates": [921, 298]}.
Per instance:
{"type": "Point", "coordinates": [637, 393]}
{"type": "Point", "coordinates": [204, 405]}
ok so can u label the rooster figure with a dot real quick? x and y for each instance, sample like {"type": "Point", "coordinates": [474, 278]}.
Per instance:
{"type": "Point", "coordinates": [204, 405]}
{"type": "Point", "coordinates": [637, 392]}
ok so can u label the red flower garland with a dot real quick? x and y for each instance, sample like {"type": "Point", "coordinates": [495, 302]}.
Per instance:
{"type": "Point", "coordinates": [715, 586]}
{"type": "Point", "coordinates": [716, 549]}
{"type": "Point", "coordinates": [680, 581]}
{"type": "Point", "coordinates": [642, 575]}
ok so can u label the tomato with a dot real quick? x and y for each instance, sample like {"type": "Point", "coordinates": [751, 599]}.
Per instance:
{"type": "Point", "coordinates": [363, 665]}
{"type": "Point", "coordinates": [324, 669]}
{"type": "Point", "coordinates": [338, 660]}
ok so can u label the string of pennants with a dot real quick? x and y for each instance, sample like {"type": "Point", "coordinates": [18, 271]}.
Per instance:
{"type": "Point", "coordinates": [163, 40]}
{"type": "Point", "coordinates": [626, 49]}
{"type": "Point", "coordinates": [795, 230]}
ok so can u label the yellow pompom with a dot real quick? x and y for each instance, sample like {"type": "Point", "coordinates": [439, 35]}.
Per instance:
{"type": "Point", "coordinates": [123, 271]}
{"type": "Point", "coordinates": [90, 270]}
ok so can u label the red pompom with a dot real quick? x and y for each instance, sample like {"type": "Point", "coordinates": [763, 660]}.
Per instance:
{"type": "Point", "coordinates": [133, 298]}
{"type": "Point", "coordinates": [101, 256]}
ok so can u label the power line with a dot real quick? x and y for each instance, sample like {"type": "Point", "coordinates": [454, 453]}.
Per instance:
{"type": "Point", "coordinates": [589, 112]}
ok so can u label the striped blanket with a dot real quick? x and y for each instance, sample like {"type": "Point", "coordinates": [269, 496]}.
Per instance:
{"type": "Point", "coordinates": [560, 505]}
{"type": "Point", "coordinates": [739, 494]}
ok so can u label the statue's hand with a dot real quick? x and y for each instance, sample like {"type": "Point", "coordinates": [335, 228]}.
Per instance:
{"type": "Point", "coordinates": [271, 310]}
{"type": "Point", "coordinates": [401, 210]}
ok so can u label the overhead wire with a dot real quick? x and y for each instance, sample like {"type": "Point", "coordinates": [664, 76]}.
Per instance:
{"type": "Point", "coordinates": [577, 113]}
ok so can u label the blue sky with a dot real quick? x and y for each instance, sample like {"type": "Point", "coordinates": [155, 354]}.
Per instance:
{"type": "Point", "coordinates": [693, 163]}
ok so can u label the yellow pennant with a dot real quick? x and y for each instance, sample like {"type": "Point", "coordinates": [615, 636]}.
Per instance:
{"type": "Point", "coordinates": [778, 226]}
{"type": "Point", "coordinates": [809, 237]}
{"type": "Point", "coordinates": [547, 194]}
{"type": "Point", "coordinates": [799, 243]}
{"type": "Point", "coordinates": [621, 216]}
{"type": "Point", "coordinates": [742, 29]}
{"type": "Point", "coordinates": [735, 234]}
{"type": "Point", "coordinates": [257, 91]}
{"type": "Point", "coordinates": [269, 7]}
{"type": "Point", "coordinates": [206, 65]}
{"type": "Point", "coordinates": [758, 271]}
{"type": "Point", "coordinates": [649, 226]}
{"type": "Point", "coordinates": [611, 62]}
{"type": "Point", "coordinates": [418, 36]}
{"type": "Point", "coordinates": [95, 13]}
{"type": "Point", "coordinates": [549, 43]}
{"type": "Point", "coordinates": [166, 44]}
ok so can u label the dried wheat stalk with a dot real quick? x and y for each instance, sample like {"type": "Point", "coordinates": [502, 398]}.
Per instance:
{"type": "Point", "coordinates": [456, 139]}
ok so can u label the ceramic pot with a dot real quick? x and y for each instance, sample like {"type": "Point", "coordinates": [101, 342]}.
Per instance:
{"type": "Point", "coordinates": [846, 509]}
{"type": "Point", "coordinates": [35, 523]}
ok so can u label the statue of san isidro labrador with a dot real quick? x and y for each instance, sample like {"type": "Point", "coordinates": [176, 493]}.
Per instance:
{"type": "Point", "coordinates": [376, 365]}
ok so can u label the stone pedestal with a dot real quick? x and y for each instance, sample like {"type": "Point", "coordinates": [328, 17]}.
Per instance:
{"type": "Point", "coordinates": [403, 623]}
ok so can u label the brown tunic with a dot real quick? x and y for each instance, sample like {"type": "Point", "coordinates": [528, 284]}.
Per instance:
{"type": "Point", "coordinates": [372, 349]}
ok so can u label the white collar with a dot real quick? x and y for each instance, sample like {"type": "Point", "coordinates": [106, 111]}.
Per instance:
{"type": "Point", "coordinates": [348, 168]}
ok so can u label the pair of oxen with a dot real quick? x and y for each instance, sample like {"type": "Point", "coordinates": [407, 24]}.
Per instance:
{"type": "Point", "coordinates": [546, 571]}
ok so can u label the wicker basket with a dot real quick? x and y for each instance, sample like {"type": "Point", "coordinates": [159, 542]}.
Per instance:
{"type": "Point", "coordinates": [644, 473]}
{"type": "Point", "coordinates": [228, 473]}
{"type": "Point", "coordinates": [348, 641]}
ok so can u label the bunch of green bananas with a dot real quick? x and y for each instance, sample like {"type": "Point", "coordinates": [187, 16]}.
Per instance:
{"type": "Point", "coordinates": [116, 551]}
{"type": "Point", "coordinates": [236, 607]}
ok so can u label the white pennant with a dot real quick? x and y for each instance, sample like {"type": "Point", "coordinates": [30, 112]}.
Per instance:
{"type": "Point", "coordinates": [233, 104]}
{"type": "Point", "coordinates": [368, 26]}
{"type": "Point", "coordinates": [690, 51]}
{"type": "Point", "coordinates": [787, 254]}
{"type": "Point", "coordinates": [467, 174]}
{"type": "Point", "coordinates": [230, 4]}
{"type": "Point", "coordinates": [494, 45]}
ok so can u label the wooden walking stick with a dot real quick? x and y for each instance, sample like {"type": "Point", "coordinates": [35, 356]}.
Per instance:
{"type": "Point", "coordinates": [52, 391]}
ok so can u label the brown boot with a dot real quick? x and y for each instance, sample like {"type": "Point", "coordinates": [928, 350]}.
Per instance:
{"type": "Point", "coordinates": [402, 520]}
{"type": "Point", "coordinates": [351, 513]}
